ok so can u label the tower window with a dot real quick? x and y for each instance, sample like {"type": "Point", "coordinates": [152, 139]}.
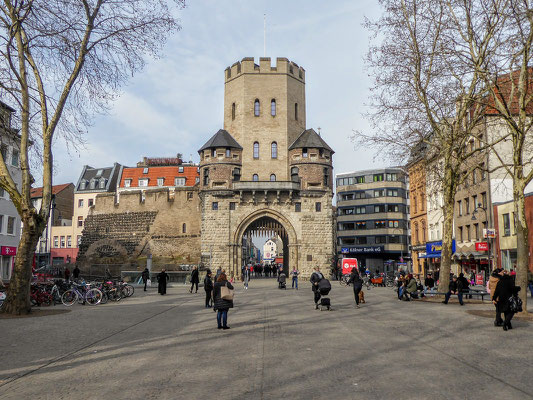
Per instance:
{"type": "Point", "coordinates": [274, 150]}
{"type": "Point", "coordinates": [294, 174]}
{"type": "Point", "coordinates": [233, 111]}
{"type": "Point", "coordinates": [206, 176]}
{"type": "Point", "coordinates": [236, 174]}
{"type": "Point", "coordinates": [273, 107]}
{"type": "Point", "coordinates": [257, 108]}
{"type": "Point", "coordinates": [326, 177]}
{"type": "Point", "coordinates": [214, 153]}
{"type": "Point", "coordinates": [304, 152]}
{"type": "Point", "coordinates": [296, 111]}
{"type": "Point", "coordinates": [228, 153]}
{"type": "Point", "coordinates": [256, 149]}
{"type": "Point", "coordinates": [184, 228]}
{"type": "Point", "coordinates": [273, 178]}
{"type": "Point", "coordinates": [255, 178]}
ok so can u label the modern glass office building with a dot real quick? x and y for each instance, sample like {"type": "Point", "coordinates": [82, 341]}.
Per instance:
{"type": "Point", "coordinates": [373, 218]}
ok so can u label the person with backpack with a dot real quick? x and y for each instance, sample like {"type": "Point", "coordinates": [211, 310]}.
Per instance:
{"type": "Point", "coordinates": [208, 287]}
{"type": "Point", "coordinates": [506, 298]}
{"type": "Point", "coordinates": [222, 305]}
{"type": "Point", "coordinates": [316, 277]}
{"type": "Point", "coordinates": [357, 282]}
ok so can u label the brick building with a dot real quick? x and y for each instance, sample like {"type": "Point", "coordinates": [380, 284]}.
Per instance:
{"type": "Point", "coordinates": [416, 170]}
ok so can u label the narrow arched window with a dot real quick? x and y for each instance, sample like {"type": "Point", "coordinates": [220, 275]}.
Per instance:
{"type": "Point", "coordinates": [296, 111]}
{"type": "Point", "coordinates": [255, 178]}
{"type": "Point", "coordinates": [273, 178]}
{"type": "Point", "coordinates": [184, 228]}
{"type": "Point", "coordinates": [257, 108]}
{"type": "Point", "coordinates": [274, 150]}
{"type": "Point", "coordinates": [233, 111]}
{"type": "Point", "coordinates": [256, 149]}
{"type": "Point", "coordinates": [273, 107]}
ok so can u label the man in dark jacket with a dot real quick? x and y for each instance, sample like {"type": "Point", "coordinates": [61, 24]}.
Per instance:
{"type": "Point", "coordinates": [316, 277]}
{"type": "Point", "coordinates": [464, 284]}
{"type": "Point", "coordinates": [145, 276]}
{"type": "Point", "coordinates": [208, 287]}
{"type": "Point", "coordinates": [505, 289]}
{"type": "Point", "coordinates": [357, 282]}
{"type": "Point", "coordinates": [194, 279]}
{"type": "Point", "coordinates": [76, 273]}
{"type": "Point", "coordinates": [429, 283]}
{"type": "Point", "coordinates": [454, 288]}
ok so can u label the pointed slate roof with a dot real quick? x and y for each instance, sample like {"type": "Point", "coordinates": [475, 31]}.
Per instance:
{"type": "Point", "coordinates": [309, 138]}
{"type": "Point", "coordinates": [221, 139]}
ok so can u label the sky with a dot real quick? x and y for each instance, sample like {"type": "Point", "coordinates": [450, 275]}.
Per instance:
{"type": "Point", "coordinates": [176, 103]}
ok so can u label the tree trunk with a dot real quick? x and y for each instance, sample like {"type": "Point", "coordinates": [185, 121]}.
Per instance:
{"type": "Point", "coordinates": [447, 234]}
{"type": "Point", "coordinates": [522, 240]}
{"type": "Point", "coordinates": [17, 301]}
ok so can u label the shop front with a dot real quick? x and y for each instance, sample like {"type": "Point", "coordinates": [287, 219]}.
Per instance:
{"type": "Point", "coordinates": [7, 261]}
{"type": "Point", "coordinates": [433, 256]}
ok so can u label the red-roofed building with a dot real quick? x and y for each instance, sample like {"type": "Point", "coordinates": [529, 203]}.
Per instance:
{"type": "Point", "coordinates": [153, 175]}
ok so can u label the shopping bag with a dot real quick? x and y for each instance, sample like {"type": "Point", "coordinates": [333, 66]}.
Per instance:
{"type": "Point", "coordinates": [226, 293]}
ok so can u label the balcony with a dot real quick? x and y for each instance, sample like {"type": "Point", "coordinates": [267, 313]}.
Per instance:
{"type": "Point", "coordinates": [266, 185]}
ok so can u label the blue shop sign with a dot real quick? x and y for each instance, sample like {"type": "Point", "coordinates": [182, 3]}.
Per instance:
{"type": "Point", "coordinates": [362, 250]}
{"type": "Point", "coordinates": [434, 249]}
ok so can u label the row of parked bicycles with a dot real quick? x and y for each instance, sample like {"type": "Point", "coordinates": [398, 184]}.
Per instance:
{"type": "Point", "coordinates": [69, 293]}
{"type": "Point", "coordinates": [368, 282]}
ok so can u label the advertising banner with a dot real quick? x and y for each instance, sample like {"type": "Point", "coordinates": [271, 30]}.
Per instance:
{"type": "Point", "coordinates": [8, 251]}
{"type": "Point", "coordinates": [479, 279]}
{"type": "Point", "coordinates": [348, 264]}
{"type": "Point", "coordinates": [482, 246]}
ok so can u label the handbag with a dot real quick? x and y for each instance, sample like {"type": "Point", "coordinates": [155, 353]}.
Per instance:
{"type": "Point", "coordinates": [148, 282]}
{"type": "Point", "coordinates": [226, 293]}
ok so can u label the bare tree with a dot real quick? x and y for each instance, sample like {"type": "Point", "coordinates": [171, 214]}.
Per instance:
{"type": "Point", "coordinates": [61, 61]}
{"type": "Point", "coordinates": [427, 89]}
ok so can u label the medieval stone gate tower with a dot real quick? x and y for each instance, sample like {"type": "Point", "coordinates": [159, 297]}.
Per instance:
{"type": "Point", "coordinates": [265, 171]}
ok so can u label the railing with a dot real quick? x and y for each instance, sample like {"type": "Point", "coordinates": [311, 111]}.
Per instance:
{"type": "Point", "coordinates": [266, 185]}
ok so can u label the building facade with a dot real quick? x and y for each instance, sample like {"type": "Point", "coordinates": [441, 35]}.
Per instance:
{"type": "Point", "coordinates": [263, 174]}
{"type": "Point", "coordinates": [373, 218]}
{"type": "Point", "coordinates": [416, 169]}
{"type": "Point", "coordinates": [10, 222]}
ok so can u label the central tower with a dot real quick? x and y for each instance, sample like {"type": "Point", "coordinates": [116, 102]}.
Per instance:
{"type": "Point", "coordinates": [264, 110]}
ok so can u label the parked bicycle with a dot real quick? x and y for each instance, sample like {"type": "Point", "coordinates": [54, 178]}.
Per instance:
{"type": "Point", "coordinates": [82, 293]}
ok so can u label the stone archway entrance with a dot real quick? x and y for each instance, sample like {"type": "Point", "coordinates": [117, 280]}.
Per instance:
{"type": "Point", "coordinates": [266, 223]}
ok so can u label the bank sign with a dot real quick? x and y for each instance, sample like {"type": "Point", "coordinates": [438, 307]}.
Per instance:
{"type": "Point", "coordinates": [434, 249]}
{"type": "Point", "coordinates": [362, 250]}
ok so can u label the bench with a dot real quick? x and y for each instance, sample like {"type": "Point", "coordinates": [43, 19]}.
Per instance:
{"type": "Point", "coordinates": [470, 292]}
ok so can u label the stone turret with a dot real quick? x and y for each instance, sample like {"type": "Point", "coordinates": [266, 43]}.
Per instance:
{"type": "Point", "coordinates": [311, 162]}
{"type": "Point", "coordinates": [220, 162]}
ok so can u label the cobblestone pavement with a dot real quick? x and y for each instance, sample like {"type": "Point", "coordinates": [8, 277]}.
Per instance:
{"type": "Point", "coordinates": [279, 346]}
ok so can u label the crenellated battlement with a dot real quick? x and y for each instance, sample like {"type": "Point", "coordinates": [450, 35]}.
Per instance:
{"type": "Point", "coordinates": [248, 66]}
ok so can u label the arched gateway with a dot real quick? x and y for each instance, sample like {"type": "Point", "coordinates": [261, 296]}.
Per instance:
{"type": "Point", "coordinates": [265, 222]}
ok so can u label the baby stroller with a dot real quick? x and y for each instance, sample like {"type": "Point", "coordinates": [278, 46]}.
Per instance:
{"type": "Point", "coordinates": [324, 287]}
{"type": "Point", "coordinates": [282, 281]}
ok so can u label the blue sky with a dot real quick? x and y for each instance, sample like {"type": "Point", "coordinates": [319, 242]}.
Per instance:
{"type": "Point", "coordinates": [176, 103]}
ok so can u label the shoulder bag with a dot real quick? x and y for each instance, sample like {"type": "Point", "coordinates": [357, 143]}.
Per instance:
{"type": "Point", "coordinates": [226, 293]}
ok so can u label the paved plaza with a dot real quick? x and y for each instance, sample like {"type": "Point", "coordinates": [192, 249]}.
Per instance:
{"type": "Point", "coordinates": [278, 347]}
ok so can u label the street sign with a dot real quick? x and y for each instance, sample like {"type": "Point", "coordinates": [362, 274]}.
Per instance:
{"type": "Point", "coordinates": [479, 279]}
{"type": "Point", "coordinates": [489, 233]}
{"type": "Point", "coordinates": [482, 246]}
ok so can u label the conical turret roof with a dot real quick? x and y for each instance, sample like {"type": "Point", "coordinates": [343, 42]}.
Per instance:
{"type": "Point", "coordinates": [221, 139]}
{"type": "Point", "coordinates": [309, 138]}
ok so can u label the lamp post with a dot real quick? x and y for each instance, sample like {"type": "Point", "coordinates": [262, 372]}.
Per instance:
{"type": "Point", "coordinates": [480, 207]}
{"type": "Point", "coordinates": [400, 241]}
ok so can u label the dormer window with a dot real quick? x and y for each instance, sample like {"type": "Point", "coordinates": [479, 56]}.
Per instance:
{"type": "Point", "coordinates": [143, 182]}
{"type": "Point", "coordinates": [145, 170]}
{"type": "Point", "coordinates": [99, 173]}
{"type": "Point", "coordinates": [160, 181]}
{"type": "Point", "coordinates": [179, 181]}
{"type": "Point", "coordinates": [180, 170]}
{"type": "Point", "coordinates": [102, 183]}
{"type": "Point", "coordinates": [83, 185]}
{"type": "Point", "coordinates": [92, 184]}
{"type": "Point", "coordinates": [127, 183]}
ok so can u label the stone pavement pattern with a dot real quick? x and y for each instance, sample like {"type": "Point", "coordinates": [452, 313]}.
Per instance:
{"type": "Point", "coordinates": [154, 347]}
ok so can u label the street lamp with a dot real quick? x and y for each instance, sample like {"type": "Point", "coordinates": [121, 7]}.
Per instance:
{"type": "Point", "coordinates": [399, 241]}
{"type": "Point", "coordinates": [480, 207]}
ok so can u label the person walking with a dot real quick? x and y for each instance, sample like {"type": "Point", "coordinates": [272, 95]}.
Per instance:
{"type": "Point", "coordinates": [67, 274]}
{"type": "Point", "coordinates": [294, 275]}
{"type": "Point", "coordinates": [454, 288]}
{"type": "Point", "coordinates": [145, 276]}
{"type": "Point", "coordinates": [357, 282]}
{"type": "Point", "coordinates": [76, 273]}
{"type": "Point", "coordinates": [162, 279]}
{"type": "Point", "coordinates": [316, 277]}
{"type": "Point", "coordinates": [246, 277]}
{"type": "Point", "coordinates": [505, 290]}
{"type": "Point", "coordinates": [194, 279]}
{"type": "Point", "coordinates": [208, 287]}
{"type": "Point", "coordinates": [493, 282]}
{"type": "Point", "coordinates": [222, 306]}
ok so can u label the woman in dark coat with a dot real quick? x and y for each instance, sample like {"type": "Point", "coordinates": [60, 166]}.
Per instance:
{"type": "Point", "coordinates": [194, 279]}
{"type": "Point", "coordinates": [145, 276]}
{"type": "Point", "coordinates": [162, 278]}
{"type": "Point", "coordinates": [357, 282]}
{"type": "Point", "coordinates": [208, 287]}
{"type": "Point", "coordinates": [222, 306]}
{"type": "Point", "coordinates": [504, 290]}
